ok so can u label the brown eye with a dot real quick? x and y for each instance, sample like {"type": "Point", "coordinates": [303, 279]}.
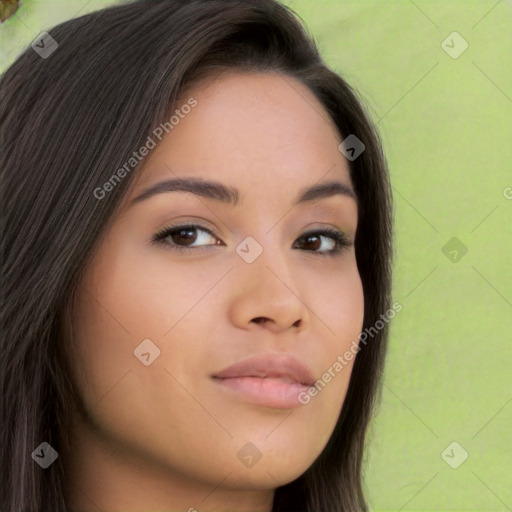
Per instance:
{"type": "Point", "coordinates": [313, 241]}
{"type": "Point", "coordinates": [183, 237]}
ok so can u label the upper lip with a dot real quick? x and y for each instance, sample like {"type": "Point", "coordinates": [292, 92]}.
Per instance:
{"type": "Point", "coordinates": [277, 365]}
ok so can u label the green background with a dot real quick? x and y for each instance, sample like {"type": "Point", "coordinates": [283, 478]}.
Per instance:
{"type": "Point", "coordinates": [446, 125]}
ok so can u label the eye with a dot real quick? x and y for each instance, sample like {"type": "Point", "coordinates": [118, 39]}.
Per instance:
{"type": "Point", "coordinates": [186, 238]}
{"type": "Point", "coordinates": [186, 235]}
{"type": "Point", "coordinates": [336, 241]}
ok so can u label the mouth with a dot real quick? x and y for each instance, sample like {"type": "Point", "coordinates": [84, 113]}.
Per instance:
{"type": "Point", "coordinates": [272, 380]}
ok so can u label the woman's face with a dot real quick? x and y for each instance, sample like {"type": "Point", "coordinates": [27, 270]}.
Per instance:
{"type": "Point", "coordinates": [255, 289]}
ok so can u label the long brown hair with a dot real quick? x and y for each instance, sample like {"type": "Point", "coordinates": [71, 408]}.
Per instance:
{"type": "Point", "coordinates": [68, 121]}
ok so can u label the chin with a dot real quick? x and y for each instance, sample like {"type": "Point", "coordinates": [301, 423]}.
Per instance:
{"type": "Point", "coordinates": [270, 476]}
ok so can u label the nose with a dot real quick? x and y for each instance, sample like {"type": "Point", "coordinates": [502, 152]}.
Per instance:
{"type": "Point", "coordinates": [266, 294]}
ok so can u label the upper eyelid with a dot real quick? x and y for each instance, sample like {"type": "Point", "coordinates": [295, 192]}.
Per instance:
{"type": "Point", "coordinates": [331, 216]}
{"type": "Point", "coordinates": [213, 231]}
{"type": "Point", "coordinates": [185, 225]}
{"type": "Point", "coordinates": [161, 235]}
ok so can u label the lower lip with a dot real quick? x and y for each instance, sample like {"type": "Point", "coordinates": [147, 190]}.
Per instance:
{"type": "Point", "coordinates": [268, 391]}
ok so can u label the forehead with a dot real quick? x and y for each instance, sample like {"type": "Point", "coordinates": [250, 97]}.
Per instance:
{"type": "Point", "coordinates": [256, 131]}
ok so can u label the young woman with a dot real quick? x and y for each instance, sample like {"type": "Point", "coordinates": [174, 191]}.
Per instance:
{"type": "Point", "coordinates": [196, 228]}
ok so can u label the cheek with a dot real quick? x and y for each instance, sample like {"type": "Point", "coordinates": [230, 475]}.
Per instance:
{"type": "Point", "coordinates": [339, 312]}
{"type": "Point", "coordinates": [347, 306]}
{"type": "Point", "coordinates": [146, 291]}
{"type": "Point", "coordinates": [117, 309]}
{"type": "Point", "coordinates": [108, 321]}
{"type": "Point", "coordinates": [337, 301]}
{"type": "Point", "coordinates": [103, 343]}
{"type": "Point", "coordinates": [123, 301]}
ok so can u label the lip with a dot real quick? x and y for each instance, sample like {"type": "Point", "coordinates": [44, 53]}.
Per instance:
{"type": "Point", "coordinates": [273, 380]}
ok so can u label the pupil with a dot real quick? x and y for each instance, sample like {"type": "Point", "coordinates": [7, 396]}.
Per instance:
{"type": "Point", "coordinates": [189, 235]}
{"type": "Point", "coordinates": [313, 239]}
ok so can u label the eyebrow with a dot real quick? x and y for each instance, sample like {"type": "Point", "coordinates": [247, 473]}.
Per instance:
{"type": "Point", "coordinates": [231, 195]}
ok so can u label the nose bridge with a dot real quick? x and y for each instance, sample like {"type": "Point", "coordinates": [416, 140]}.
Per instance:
{"type": "Point", "coordinates": [265, 255]}
{"type": "Point", "coordinates": [266, 283]}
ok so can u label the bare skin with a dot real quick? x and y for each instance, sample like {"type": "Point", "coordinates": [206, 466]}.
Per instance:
{"type": "Point", "coordinates": [167, 436]}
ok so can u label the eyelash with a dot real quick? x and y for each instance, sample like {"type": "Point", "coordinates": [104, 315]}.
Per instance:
{"type": "Point", "coordinates": [340, 239]}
